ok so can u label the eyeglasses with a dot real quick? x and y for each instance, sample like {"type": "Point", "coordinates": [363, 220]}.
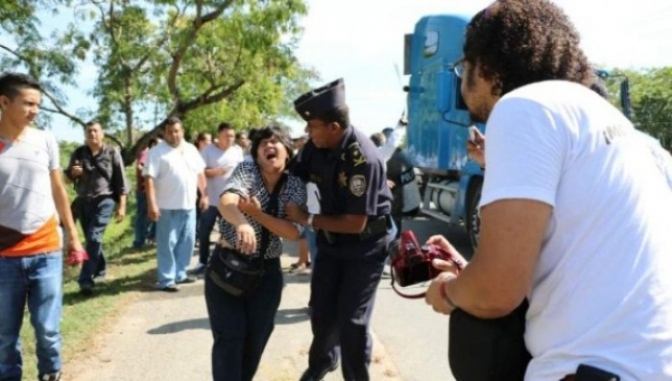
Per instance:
{"type": "Point", "coordinates": [458, 68]}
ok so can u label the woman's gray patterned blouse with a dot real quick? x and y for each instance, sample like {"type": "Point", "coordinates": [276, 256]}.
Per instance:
{"type": "Point", "coordinates": [246, 181]}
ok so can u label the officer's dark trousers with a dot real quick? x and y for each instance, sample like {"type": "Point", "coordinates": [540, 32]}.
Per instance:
{"type": "Point", "coordinates": [241, 327]}
{"type": "Point", "coordinates": [343, 289]}
{"type": "Point", "coordinates": [94, 215]}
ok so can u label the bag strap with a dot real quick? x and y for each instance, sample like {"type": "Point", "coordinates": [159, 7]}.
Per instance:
{"type": "Point", "coordinates": [272, 210]}
{"type": "Point", "coordinates": [421, 294]}
{"type": "Point", "coordinates": [102, 172]}
{"type": "Point", "coordinates": [394, 285]}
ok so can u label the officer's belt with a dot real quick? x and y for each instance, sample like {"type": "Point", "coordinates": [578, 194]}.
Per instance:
{"type": "Point", "coordinates": [374, 229]}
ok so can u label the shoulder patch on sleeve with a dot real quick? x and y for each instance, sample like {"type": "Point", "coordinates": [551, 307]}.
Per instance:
{"type": "Point", "coordinates": [357, 185]}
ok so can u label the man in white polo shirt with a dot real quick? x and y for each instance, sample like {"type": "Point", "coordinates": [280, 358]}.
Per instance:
{"type": "Point", "coordinates": [174, 171]}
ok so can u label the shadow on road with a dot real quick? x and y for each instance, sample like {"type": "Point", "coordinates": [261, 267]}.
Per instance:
{"type": "Point", "coordinates": [179, 326]}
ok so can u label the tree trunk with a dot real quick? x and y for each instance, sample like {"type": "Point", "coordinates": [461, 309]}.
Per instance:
{"type": "Point", "coordinates": [128, 111]}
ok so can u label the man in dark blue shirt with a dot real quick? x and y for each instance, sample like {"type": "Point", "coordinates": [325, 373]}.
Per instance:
{"type": "Point", "coordinates": [352, 226]}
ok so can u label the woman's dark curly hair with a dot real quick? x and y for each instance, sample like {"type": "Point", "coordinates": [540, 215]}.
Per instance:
{"type": "Point", "coordinates": [268, 132]}
{"type": "Point", "coordinates": [518, 42]}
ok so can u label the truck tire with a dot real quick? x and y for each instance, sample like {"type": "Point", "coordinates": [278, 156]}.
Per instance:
{"type": "Point", "coordinates": [473, 217]}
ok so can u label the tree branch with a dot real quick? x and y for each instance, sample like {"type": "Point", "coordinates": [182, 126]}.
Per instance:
{"type": "Point", "coordinates": [204, 99]}
{"type": "Point", "coordinates": [178, 55]}
{"type": "Point", "coordinates": [13, 52]}
{"type": "Point", "coordinates": [24, 59]}
{"type": "Point", "coordinates": [160, 43]}
{"type": "Point", "coordinates": [216, 13]}
{"type": "Point", "coordinates": [117, 142]}
{"type": "Point", "coordinates": [60, 110]}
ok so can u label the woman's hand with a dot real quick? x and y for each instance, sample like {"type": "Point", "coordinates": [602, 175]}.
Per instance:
{"type": "Point", "coordinates": [250, 206]}
{"type": "Point", "coordinates": [246, 240]}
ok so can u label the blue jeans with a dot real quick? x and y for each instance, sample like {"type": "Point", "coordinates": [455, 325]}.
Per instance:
{"type": "Point", "coordinates": [392, 232]}
{"type": "Point", "coordinates": [241, 326]}
{"type": "Point", "coordinates": [206, 222]}
{"type": "Point", "coordinates": [95, 215]}
{"type": "Point", "coordinates": [175, 238]}
{"type": "Point", "coordinates": [37, 280]}
{"type": "Point", "coordinates": [144, 227]}
{"type": "Point", "coordinates": [310, 237]}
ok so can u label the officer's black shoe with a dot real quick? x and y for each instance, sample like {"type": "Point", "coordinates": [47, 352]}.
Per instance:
{"type": "Point", "coordinates": [307, 376]}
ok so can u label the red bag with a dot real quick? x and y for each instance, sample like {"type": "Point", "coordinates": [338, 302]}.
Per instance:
{"type": "Point", "coordinates": [76, 258]}
{"type": "Point", "coordinates": [412, 263]}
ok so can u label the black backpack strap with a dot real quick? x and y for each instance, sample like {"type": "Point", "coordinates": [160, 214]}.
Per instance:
{"type": "Point", "coordinates": [111, 152]}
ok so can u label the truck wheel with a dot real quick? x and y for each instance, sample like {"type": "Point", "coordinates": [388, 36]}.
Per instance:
{"type": "Point", "coordinates": [473, 217]}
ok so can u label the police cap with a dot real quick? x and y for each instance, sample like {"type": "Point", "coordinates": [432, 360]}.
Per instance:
{"type": "Point", "coordinates": [315, 103]}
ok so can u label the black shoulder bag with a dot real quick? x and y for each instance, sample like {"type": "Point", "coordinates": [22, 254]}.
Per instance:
{"type": "Point", "coordinates": [237, 273]}
{"type": "Point", "coordinates": [488, 349]}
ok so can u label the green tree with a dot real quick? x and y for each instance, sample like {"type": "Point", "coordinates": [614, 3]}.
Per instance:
{"type": "Point", "coordinates": [52, 60]}
{"type": "Point", "coordinates": [651, 98]}
{"type": "Point", "coordinates": [204, 61]}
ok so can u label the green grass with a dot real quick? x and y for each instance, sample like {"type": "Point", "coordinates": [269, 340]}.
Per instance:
{"type": "Point", "coordinates": [128, 270]}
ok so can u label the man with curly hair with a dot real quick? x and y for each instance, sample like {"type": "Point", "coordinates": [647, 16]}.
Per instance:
{"type": "Point", "coordinates": [575, 209]}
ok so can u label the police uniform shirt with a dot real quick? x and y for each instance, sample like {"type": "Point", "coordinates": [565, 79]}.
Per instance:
{"type": "Point", "coordinates": [351, 179]}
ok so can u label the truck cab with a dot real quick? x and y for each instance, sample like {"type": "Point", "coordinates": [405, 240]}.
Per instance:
{"type": "Point", "coordinates": [438, 121]}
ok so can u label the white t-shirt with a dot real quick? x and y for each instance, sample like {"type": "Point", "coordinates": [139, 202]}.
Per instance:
{"type": "Point", "coordinates": [175, 172]}
{"type": "Point", "coordinates": [28, 218]}
{"type": "Point", "coordinates": [214, 157]}
{"type": "Point", "coordinates": [602, 290]}
{"type": "Point", "coordinates": [313, 199]}
{"type": "Point", "coordinates": [392, 143]}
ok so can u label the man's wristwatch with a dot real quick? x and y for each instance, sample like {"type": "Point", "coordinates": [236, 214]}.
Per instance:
{"type": "Point", "coordinates": [309, 223]}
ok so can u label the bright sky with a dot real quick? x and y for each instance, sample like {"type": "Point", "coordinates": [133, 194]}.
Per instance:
{"type": "Point", "coordinates": [362, 41]}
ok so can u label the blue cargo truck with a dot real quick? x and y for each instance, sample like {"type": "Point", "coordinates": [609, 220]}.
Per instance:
{"type": "Point", "coordinates": [438, 121]}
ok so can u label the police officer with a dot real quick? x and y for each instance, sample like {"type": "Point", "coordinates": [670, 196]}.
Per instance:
{"type": "Point", "coordinates": [355, 206]}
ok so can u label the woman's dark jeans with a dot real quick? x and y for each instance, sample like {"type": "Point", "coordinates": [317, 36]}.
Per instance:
{"type": "Point", "coordinates": [241, 326]}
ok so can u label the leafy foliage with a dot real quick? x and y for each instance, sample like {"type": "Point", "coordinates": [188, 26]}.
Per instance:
{"type": "Point", "coordinates": [651, 96]}
{"type": "Point", "coordinates": [205, 61]}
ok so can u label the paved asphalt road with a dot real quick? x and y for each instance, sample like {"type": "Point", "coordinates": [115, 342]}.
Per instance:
{"type": "Point", "coordinates": [414, 336]}
{"type": "Point", "coordinates": [167, 337]}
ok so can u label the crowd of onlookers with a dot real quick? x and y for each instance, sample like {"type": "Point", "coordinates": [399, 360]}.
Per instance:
{"type": "Point", "coordinates": [570, 280]}
{"type": "Point", "coordinates": [183, 193]}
